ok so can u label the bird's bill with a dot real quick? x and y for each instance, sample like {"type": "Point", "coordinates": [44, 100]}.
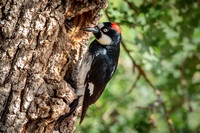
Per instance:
{"type": "Point", "coordinates": [91, 29]}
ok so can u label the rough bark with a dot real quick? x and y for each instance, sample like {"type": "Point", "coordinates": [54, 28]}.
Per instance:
{"type": "Point", "coordinates": [38, 52]}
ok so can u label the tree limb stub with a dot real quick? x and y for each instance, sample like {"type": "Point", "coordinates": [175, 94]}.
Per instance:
{"type": "Point", "coordinates": [37, 51]}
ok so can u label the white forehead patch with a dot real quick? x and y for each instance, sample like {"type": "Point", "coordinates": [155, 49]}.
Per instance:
{"type": "Point", "coordinates": [101, 25]}
{"type": "Point", "coordinates": [105, 39]}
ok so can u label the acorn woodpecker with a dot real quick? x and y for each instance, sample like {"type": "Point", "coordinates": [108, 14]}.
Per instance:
{"type": "Point", "coordinates": [98, 66]}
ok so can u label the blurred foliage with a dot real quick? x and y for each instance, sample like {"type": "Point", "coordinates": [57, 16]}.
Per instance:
{"type": "Point", "coordinates": [164, 39]}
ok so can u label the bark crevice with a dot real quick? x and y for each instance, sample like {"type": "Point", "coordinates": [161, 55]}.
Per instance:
{"type": "Point", "coordinates": [6, 107]}
{"type": "Point", "coordinates": [14, 60]}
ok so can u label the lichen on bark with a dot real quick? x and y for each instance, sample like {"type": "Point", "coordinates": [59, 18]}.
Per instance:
{"type": "Point", "coordinates": [38, 53]}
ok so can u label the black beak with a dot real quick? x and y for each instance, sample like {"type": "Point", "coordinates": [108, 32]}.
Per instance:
{"type": "Point", "coordinates": [91, 29]}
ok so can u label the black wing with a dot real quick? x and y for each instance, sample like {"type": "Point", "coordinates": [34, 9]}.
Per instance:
{"type": "Point", "coordinates": [102, 69]}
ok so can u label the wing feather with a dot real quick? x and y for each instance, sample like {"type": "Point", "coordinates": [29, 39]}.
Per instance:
{"type": "Point", "coordinates": [100, 73]}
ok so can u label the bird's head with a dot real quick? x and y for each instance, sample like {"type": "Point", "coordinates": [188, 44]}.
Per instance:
{"type": "Point", "coordinates": [107, 33]}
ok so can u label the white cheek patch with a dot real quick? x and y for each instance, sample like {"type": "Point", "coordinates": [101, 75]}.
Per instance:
{"type": "Point", "coordinates": [91, 88]}
{"type": "Point", "coordinates": [104, 40]}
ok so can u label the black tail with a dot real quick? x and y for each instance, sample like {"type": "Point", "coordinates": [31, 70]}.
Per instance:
{"type": "Point", "coordinates": [72, 106]}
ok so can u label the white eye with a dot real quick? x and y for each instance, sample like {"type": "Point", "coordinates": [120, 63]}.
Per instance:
{"type": "Point", "coordinates": [105, 30]}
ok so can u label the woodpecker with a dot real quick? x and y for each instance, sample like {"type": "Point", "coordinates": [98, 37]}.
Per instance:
{"type": "Point", "coordinates": [98, 65]}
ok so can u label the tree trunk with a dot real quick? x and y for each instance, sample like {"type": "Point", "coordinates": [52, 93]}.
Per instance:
{"type": "Point", "coordinates": [38, 52]}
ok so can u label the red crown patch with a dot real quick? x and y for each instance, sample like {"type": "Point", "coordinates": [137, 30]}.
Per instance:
{"type": "Point", "coordinates": [116, 27]}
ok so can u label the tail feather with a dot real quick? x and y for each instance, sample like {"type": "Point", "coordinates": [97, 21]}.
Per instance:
{"type": "Point", "coordinates": [73, 107]}
{"type": "Point", "coordinates": [84, 110]}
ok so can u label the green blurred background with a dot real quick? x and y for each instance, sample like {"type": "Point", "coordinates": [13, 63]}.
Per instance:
{"type": "Point", "coordinates": [163, 38]}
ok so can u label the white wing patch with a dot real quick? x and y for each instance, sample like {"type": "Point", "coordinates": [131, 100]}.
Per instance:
{"type": "Point", "coordinates": [104, 40]}
{"type": "Point", "coordinates": [91, 88]}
